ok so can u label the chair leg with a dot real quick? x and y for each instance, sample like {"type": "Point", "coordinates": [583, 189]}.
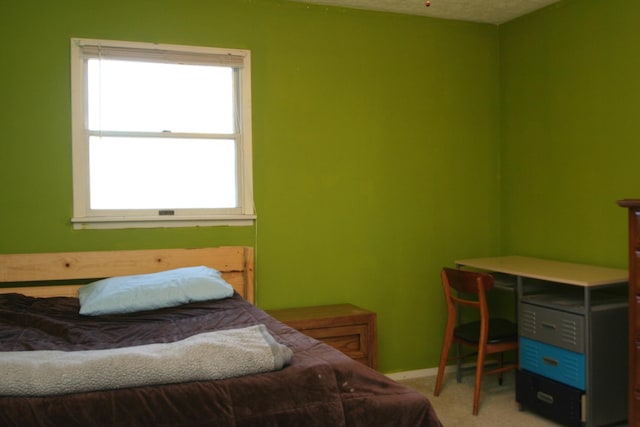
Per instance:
{"type": "Point", "coordinates": [500, 365]}
{"type": "Point", "coordinates": [444, 355]}
{"type": "Point", "coordinates": [458, 362]}
{"type": "Point", "coordinates": [478, 384]}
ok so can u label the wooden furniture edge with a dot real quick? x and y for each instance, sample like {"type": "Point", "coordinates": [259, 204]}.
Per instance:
{"type": "Point", "coordinates": [577, 274]}
{"type": "Point", "coordinates": [236, 263]}
{"type": "Point", "coordinates": [312, 320]}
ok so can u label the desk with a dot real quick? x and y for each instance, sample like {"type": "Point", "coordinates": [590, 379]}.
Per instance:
{"type": "Point", "coordinates": [553, 271]}
{"type": "Point", "coordinates": [576, 311]}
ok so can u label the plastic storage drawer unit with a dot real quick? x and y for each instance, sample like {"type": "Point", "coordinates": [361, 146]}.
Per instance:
{"type": "Point", "coordinates": [549, 398]}
{"type": "Point", "coordinates": [562, 365]}
{"type": "Point", "coordinates": [555, 327]}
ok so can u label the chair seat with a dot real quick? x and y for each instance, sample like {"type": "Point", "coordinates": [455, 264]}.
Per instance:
{"type": "Point", "coordinates": [500, 330]}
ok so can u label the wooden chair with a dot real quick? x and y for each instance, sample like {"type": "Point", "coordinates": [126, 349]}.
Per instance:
{"type": "Point", "coordinates": [487, 335]}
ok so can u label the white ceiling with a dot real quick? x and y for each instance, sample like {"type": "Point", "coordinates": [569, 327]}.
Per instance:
{"type": "Point", "coordinates": [487, 11]}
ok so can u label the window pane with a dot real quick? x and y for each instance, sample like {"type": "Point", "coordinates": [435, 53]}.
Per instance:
{"type": "Point", "coordinates": [162, 173]}
{"type": "Point", "coordinates": [157, 97]}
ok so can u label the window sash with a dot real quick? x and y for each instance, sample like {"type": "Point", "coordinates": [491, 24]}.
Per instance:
{"type": "Point", "coordinates": [199, 164]}
{"type": "Point", "coordinates": [161, 53]}
{"type": "Point", "coordinates": [202, 98]}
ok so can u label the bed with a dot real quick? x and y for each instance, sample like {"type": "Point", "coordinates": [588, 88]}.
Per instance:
{"type": "Point", "coordinates": [39, 315]}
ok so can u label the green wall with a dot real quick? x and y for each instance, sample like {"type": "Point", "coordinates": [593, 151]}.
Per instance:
{"type": "Point", "coordinates": [570, 102]}
{"type": "Point", "coordinates": [385, 146]}
{"type": "Point", "coordinates": [376, 148]}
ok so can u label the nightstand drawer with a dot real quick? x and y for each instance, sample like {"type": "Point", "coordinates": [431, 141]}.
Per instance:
{"type": "Point", "coordinates": [351, 340]}
{"type": "Point", "coordinates": [348, 328]}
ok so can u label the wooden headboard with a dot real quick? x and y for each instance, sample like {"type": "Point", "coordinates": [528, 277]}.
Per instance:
{"type": "Point", "coordinates": [234, 262]}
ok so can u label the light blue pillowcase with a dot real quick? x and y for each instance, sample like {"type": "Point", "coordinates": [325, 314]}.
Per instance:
{"type": "Point", "coordinates": [125, 294]}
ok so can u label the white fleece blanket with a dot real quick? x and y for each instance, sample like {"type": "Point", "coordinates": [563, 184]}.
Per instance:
{"type": "Point", "coordinates": [206, 356]}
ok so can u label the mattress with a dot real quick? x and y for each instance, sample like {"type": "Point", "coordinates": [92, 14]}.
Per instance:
{"type": "Point", "coordinates": [319, 387]}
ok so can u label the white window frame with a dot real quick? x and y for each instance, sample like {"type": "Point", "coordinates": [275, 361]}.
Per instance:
{"type": "Point", "coordinates": [84, 217]}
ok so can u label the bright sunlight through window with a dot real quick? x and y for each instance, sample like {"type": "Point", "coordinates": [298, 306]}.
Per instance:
{"type": "Point", "coordinates": [161, 135]}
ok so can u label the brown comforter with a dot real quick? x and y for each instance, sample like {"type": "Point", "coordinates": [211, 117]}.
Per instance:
{"type": "Point", "coordinates": [321, 386]}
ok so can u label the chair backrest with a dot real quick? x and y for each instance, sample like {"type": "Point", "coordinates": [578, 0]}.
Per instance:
{"type": "Point", "coordinates": [466, 282]}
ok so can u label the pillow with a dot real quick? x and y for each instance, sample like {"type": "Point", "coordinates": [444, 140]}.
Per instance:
{"type": "Point", "coordinates": [125, 294]}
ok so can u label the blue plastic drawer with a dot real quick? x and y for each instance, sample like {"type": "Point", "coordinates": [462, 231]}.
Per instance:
{"type": "Point", "coordinates": [553, 362]}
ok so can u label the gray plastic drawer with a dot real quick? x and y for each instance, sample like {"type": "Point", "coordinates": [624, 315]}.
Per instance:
{"type": "Point", "coordinates": [555, 327]}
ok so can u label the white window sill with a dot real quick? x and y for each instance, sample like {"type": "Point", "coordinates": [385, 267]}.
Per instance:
{"type": "Point", "coordinates": [88, 223]}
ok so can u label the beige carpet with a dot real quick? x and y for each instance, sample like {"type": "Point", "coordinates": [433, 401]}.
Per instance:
{"type": "Point", "coordinates": [498, 405]}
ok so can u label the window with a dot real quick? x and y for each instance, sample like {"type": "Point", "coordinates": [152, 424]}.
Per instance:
{"type": "Point", "coordinates": [161, 135]}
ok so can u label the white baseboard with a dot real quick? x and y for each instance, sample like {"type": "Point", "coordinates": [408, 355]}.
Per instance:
{"type": "Point", "coordinates": [405, 375]}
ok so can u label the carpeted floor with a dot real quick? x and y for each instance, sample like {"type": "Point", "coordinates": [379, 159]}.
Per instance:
{"type": "Point", "coordinates": [498, 406]}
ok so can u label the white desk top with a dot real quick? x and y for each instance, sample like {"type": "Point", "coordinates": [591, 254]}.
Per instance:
{"type": "Point", "coordinates": [554, 271]}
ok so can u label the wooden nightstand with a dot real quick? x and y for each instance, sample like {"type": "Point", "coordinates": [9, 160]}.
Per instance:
{"type": "Point", "coordinates": [350, 329]}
